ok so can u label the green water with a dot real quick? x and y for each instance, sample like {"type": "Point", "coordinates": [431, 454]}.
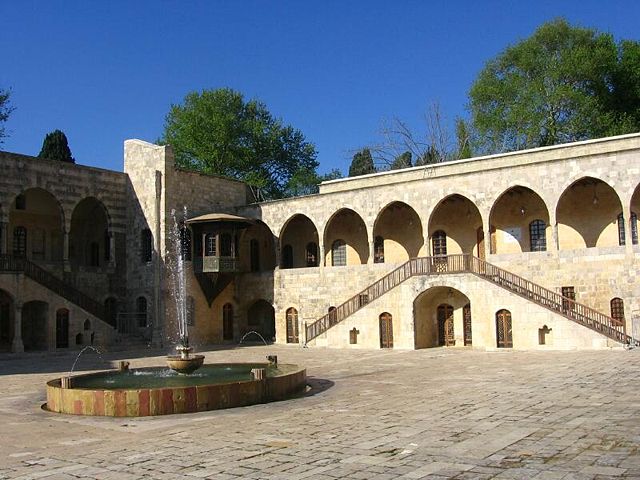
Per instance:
{"type": "Point", "coordinates": [161, 377]}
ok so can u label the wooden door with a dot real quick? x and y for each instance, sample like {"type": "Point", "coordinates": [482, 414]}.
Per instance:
{"type": "Point", "coordinates": [445, 325]}
{"type": "Point", "coordinates": [292, 326]}
{"type": "Point", "coordinates": [227, 322]}
{"type": "Point", "coordinates": [503, 329]}
{"type": "Point", "coordinates": [466, 319]}
{"type": "Point", "coordinates": [386, 331]}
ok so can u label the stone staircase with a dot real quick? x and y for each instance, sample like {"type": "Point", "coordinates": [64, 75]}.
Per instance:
{"type": "Point", "coordinates": [465, 263]}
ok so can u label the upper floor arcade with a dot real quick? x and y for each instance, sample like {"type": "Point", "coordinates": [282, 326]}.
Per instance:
{"type": "Point", "coordinates": [569, 197]}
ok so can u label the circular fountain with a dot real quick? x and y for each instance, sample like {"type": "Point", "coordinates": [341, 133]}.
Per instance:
{"type": "Point", "coordinates": [187, 386]}
{"type": "Point", "coordinates": [161, 391]}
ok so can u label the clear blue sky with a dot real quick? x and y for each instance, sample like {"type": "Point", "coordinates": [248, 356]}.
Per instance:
{"type": "Point", "coordinates": [107, 71]}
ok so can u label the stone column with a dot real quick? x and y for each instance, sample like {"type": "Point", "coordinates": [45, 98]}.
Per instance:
{"type": "Point", "coordinates": [626, 212]}
{"type": "Point", "coordinates": [371, 251]}
{"type": "Point", "coordinates": [16, 345]}
{"type": "Point", "coordinates": [4, 237]}
{"type": "Point", "coordinates": [486, 227]}
{"type": "Point", "coordinates": [112, 249]}
{"type": "Point", "coordinates": [552, 242]}
{"type": "Point", "coordinates": [65, 251]}
{"type": "Point", "coordinates": [321, 254]}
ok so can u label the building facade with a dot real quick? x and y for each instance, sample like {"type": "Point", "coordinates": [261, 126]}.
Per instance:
{"type": "Point", "coordinates": [528, 250]}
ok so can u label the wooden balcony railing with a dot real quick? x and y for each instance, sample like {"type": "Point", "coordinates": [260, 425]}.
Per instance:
{"type": "Point", "coordinates": [10, 263]}
{"type": "Point", "coordinates": [451, 264]}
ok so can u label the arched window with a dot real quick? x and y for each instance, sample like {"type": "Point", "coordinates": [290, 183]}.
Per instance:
{"type": "Point", "coordinates": [311, 253]}
{"type": "Point", "coordinates": [254, 250]}
{"type": "Point", "coordinates": [287, 256]}
{"type": "Point", "coordinates": [20, 242]}
{"type": "Point", "coordinates": [617, 310]}
{"type": "Point", "coordinates": [227, 322]}
{"type": "Point", "coordinates": [634, 228]}
{"type": "Point", "coordinates": [141, 311]}
{"type": "Point", "coordinates": [191, 311]}
{"type": "Point", "coordinates": [439, 243]}
{"type": "Point", "coordinates": [621, 232]}
{"type": "Point", "coordinates": [333, 316]}
{"type": "Point", "coordinates": [185, 243]}
{"type": "Point", "coordinates": [378, 249]}
{"type": "Point", "coordinates": [225, 245]}
{"type": "Point", "coordinates": [538, 236]}
{"type": "Point", "coordinates": [210, 246]}
{"type": "Point", "coordinates": [292, 325]}
{"type": "Point", "coordinates": [146, 245]}
{"type": "Point", "coordinates": [339, 253]}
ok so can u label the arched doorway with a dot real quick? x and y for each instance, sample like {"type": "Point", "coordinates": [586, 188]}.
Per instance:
{"type": "Point", "coordinates": [6, 321]}
{"type": "Point", "coordinates": [386, 330]}
{"type": "Point", "coordinates": [504, 331]}
{"type": "Point", "coordinates": [292, 326]}
{"type": "Point", "coordinates": [35, 325]}
{"type": "Point", "coordinates": [261, 318]}
{"type": "Point", "coordinates": [439, 317]}
{"type": "Point", "coordinates": [62, 328]}
{"type": "Point", "coordinates": [446, 337]}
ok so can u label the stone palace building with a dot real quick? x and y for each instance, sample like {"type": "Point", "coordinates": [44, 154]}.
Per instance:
{"type": "Point", "coordinates": [535, 249]}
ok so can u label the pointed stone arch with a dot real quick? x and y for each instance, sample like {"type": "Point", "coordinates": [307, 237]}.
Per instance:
{"type": "Point", "coordinates": [398, 234]}
{"type": "Point", "coordinates": [348, 226]}
{"type": "Point", "coordinates": [459, 218]}
{"type": "Point", "coordinates": [298, 233]}
{"type": "Point", "coordinates": [587, 215]}
{"type": "Point", "coordinates": [519, 221]}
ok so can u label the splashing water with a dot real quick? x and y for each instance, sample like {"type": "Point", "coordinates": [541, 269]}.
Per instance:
{"type": "Point", "coordinates": [177, 277]}
{"type": "Point", "coordinates": [252, 332]}
{"type": "Point", "coordinates": [88, 347]}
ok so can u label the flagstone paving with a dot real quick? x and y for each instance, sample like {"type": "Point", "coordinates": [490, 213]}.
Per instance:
{"type": "Point", "coordinates": [437, 413]}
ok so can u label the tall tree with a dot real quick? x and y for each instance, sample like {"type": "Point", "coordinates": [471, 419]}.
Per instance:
{"type": "Point", "coordinates": [463, 138]}
{"type": "Point", "coordinates": [5, 111]}
{"type": "Point", "coordinates": [362, 163]}
{"type": "Point", "coordinates": [56, 147]}
{"type": "Point", "coordinates": [218, 132]}
{"type": "Point", "coordinates": [562, 84]}
{"type": "Point", "coordinates": [402, 161]}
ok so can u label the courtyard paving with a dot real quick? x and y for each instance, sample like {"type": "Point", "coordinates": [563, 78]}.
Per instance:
{"type": "Point", "coordinates": [437, 413]}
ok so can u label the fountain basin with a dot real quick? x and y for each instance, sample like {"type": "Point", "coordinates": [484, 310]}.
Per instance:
{"type": "Point", "coordinates": [185, 364]}
{"type": "Point", "coordinates": [159, 391]}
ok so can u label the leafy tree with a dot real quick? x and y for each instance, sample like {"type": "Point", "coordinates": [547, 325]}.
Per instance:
{"type": "Point", "coordinates": [306, 182]}
{"type": "Point", "coordinates": [562, 84]}
{"type": "Point", "coordinates": [5, 111]}
{"type": "Point", "coordinates": [56, 147]}
{"type": "Point", "coordinates": [362, 163]}
{"type": "Point", "coordinates": [218, 132]}
{"type": "Point", "coordinates": [431, 155]}
{"type": "Point", "coordinates": [402, 161]}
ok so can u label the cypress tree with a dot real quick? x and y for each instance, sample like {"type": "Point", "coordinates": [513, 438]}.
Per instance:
{"type": "Point", "coordinates": [56, 147]}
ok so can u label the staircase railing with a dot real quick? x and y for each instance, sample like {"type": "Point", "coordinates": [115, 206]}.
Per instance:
{"type": "Point", "coordinates": [465, 263]}
{"type": "Point", "coordinates": [10, 263]}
